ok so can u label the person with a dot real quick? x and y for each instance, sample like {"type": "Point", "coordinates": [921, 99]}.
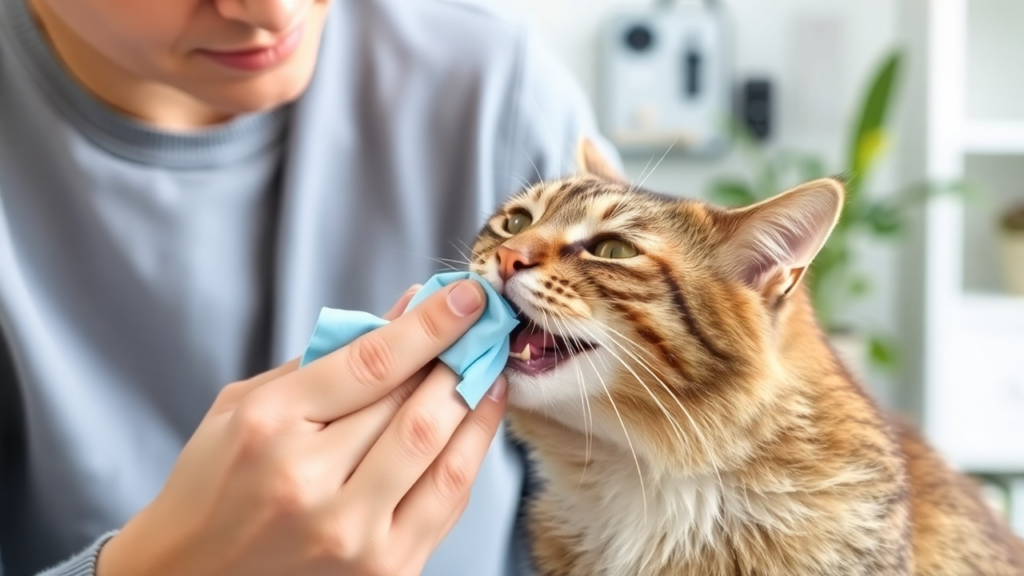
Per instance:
{"type": "Point", "coordinates": [182, 186]}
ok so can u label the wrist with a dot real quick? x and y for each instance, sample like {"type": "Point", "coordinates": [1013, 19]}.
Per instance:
{"type": "Point", "coordinates": [111, 559]}
{"type": "Point", "coordinates": [83, 563]}
{"type": "Point", "coordinates": [130, 552]}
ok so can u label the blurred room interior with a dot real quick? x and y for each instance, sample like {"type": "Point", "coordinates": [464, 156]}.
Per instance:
{"type": "Point", "coordinates": [923, 98]}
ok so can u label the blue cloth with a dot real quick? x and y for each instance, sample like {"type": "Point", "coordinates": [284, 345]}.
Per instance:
{"type": "Point", "coordinates": [479, 356]}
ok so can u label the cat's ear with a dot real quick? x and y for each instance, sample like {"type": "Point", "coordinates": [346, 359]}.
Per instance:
{"type": "Point", "coordinates": [590, 160]}
{"type": "Point", "coordinates": [771, 244]}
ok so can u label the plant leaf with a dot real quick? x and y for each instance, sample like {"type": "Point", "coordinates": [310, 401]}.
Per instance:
{"type": "Point", "coordinates": [859, 285]}
{"type": "Point", "coordinates": [811, 168]}
{"type": "Point", "coordinates": [874, 110]}
{"type": "Point", "coordinates": [883, 352]}
{"type": "Point", "coordinates": [884, 219]}
{"type": "Point", "coordinates": [870, 147]}
{"type": "Point", "coordinates": [731, 193]}
{"type": "Point", "coordinates": [869, 135]}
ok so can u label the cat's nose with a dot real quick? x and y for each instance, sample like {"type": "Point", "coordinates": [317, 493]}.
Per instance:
{"type": "Point", "coordinates": [511, 261]}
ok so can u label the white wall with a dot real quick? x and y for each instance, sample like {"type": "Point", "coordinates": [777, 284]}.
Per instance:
{"type": "Point", "coordinates": [818, 53]}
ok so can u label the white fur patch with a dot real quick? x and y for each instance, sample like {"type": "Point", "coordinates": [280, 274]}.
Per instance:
{"type": "Point", "coordinates": [631, 528]}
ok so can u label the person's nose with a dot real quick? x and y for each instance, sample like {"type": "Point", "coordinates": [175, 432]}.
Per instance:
{"type": "Point", "coordinates": [511, 261]}
{"type": "Point", "coordinates": [271, 15]}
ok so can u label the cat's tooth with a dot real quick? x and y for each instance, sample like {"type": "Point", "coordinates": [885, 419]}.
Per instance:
{"type": "Point", "coordinates": [524, 355]}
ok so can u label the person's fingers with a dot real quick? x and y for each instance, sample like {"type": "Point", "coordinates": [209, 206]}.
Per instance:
{"type": "Point", "coordinates": [426, 509]}
{"type": "Point", "coordinates": [403, 303]}
{"type": "Point", "coordinates": [376, 363]}
{"type": "Point", "coordinates": [420, 550]}
{"type": "Point", "coordinates": [359, 431]}
{"type": "Point", "coordinates": [411, 442]}
{"type": "Point", "coordinates": [232, 394]}
{"type": "Point", "coordinates": [454, 519]}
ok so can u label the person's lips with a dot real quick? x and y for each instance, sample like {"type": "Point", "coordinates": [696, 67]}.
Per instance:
{"type": "Point", "coordinates": [258, 58]}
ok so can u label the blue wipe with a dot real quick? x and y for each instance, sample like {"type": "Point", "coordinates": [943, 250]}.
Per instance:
{"type": "Point", "coordinates": [478, 357]}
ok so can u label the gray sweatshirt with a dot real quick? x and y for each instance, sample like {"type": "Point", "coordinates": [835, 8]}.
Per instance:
{"type": "Point", "coordinates": [142, 270]}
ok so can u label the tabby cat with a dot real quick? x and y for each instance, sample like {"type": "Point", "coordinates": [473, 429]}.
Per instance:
{"type": "Point", "coordinates": [684, 411]}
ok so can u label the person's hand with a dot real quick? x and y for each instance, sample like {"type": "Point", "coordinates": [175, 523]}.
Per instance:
{"type": "Point", "coordinates": [357, 464]}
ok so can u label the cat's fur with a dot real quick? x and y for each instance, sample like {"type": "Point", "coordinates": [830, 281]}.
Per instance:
{"type": "Point", "coordinates": [712, 431]}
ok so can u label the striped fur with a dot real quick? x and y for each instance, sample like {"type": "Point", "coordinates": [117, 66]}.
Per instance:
{"type": "Point", "coordinates": [713, 431]}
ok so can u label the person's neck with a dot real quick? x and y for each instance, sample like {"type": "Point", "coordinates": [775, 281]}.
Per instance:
{"type": "Point", "coordinates": [154, 103]}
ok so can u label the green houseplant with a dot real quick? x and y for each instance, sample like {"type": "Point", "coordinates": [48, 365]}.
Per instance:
{"type": "Point", "coordinates": [1011, 226]}
{"type": "Point", "coordinates": [834, 280]}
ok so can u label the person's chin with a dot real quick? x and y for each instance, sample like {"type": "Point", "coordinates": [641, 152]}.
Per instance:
{"type": "Point", "coordinates": [239, 92]}
{"type": "Point", "coordinates": [258, 93]}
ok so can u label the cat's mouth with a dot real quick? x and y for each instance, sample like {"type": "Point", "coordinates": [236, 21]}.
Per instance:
{"type": "Point", "coordinates": [533, 351]}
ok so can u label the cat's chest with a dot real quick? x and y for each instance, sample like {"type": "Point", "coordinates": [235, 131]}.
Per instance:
{"type": "Point", "coordinates": [628, 528]}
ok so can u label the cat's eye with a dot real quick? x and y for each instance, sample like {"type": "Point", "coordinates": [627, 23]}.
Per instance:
{"type": "Point", "coordinates": [614, 249]}
{"type": "Point", "coordinates": [518, 222]}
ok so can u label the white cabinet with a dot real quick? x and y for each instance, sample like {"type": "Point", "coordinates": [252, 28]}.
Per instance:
{"type": "Point", "coordinates": [970, 78]}
{"type": "Point", "coordinates": [979, 420]}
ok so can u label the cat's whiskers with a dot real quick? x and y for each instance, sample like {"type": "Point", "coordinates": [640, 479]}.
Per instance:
{"type": "Point", "coordinates": [668, 415]}
{"type": "Point", "coordinates": [644, 179]}
{"type": "Point", "coordinates": [447, 267]}
{"type": "Point", "coordinates": [629, 441]}
{"type": "Point", "coordinates": [583, 393]}
{"type": "Point", "coordinates": [633, 187]}
{"type": "Point", "coordinates": [637, 348]}
{"type": "Point", "coordinates": [540, 177]}
{"type": "Point", "coordinates": [700, 435]}
{"type": "Point", "coordinates": [524, 184]}
{"type": "Point", "coordinates": [703, 418]}
{"type": "Point", "coordinates": [466, 258]}
{"type": "Point", "coordinates": [454, 260]}
{"type": "Point", "coordinates": [587, 430]}
{"type": "Point", "coordinates": [449, 263]}
{"type": "Point", "coordinates": [705, 445]}
{"type": "Point", "coordinates": [584, 397]}
{"type": "Point", "coordinates": [544, 326]}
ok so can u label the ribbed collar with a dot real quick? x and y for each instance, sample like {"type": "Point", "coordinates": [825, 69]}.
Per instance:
{"type": "Point", "coordinates": [121, 135]}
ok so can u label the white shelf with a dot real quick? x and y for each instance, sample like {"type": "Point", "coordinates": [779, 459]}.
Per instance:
{"type": "Point", "coordinates": [971, 366]}
{"type": "Point", "coordinates": [994, 137]}
{"type": "Point", "coordinates": [1004, 309]}
{"type": "Point", "coordinates": [983, 392]}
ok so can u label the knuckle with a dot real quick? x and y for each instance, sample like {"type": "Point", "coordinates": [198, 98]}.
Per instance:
{"type": "Point", "coordinates": [254, 428]}
{"type": "Point", "coordinates": [419, 433]}
{"type": "Point", "coordinates": [230, 392]}
{"type": "Point", "coordinates": [288, 494]}
{"type": "Point", "coordinates": [372, 360]}
{"type": "Point", "coordinates": [453, 477]}
{"type": "Point", "coordinates": [397, 398]}
{"type": "Point", "coordinates": [482, 425]}
{"type": "Point", "coordinates": [341, 541]}
{"type": "Point", "coordinates": [430, 326]}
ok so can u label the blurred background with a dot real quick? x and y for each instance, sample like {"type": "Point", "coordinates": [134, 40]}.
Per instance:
{"type": "Point", "coordinates": [919, 104]}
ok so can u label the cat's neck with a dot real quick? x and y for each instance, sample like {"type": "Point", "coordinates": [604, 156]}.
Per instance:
{"type": "Point", "coordinates": [802, 345]}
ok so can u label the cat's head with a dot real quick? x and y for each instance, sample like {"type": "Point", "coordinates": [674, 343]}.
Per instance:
{"type": "Point", "coordinates": [642, 312]}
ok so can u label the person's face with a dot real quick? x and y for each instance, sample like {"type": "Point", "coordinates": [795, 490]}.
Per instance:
{"type": "Point", "coordinates": [231, 55]}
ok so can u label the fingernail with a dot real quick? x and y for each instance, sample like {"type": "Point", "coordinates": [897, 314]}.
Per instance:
{"type": "Point", "coordinates": [465, 298]}
{"type": "Point", "coordinates": [413, 288]}
{"type": "Point", "coordinates": [497, 391]}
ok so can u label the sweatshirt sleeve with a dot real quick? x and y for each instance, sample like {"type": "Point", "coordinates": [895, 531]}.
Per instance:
{"type": "Point", "coordinates": [81, 564]}
{"type": "Point", "coordinates": [550, 114]}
